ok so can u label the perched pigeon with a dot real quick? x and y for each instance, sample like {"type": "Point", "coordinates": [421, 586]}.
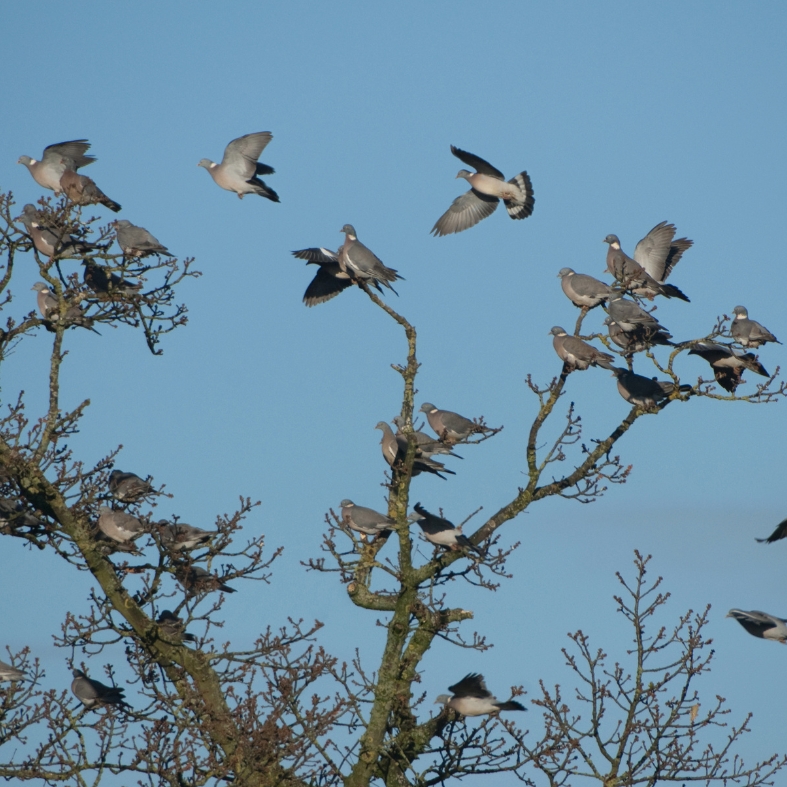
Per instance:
{"type": "Point", "coordinates": [56, 160]}
{"type": "Point", "coordinates": [137, 241]}
{"type": "Point", "coordinates": [488, 187]}
{"type": "Point", "coordinates": [361, 264]}
{"type": "Point", "coordinates": [472, 698]}
{"type": "Point", "coordinates": [728, 363]}
{"type": "Point", "coordinates": [14, 514]}
{"type": "Point", "coordinates": [102, 281]}
{"type": "Point", "coordinates": [441, 532]}
{"type": "Point", "coordinates": [576, 353]}
{"type": "Point", "coordinates": [329, 280]}
{"type": "Point", "coordinates": [173, 628]}
{"type": "Point", "coordinates": [47, 306]}
{"type": "Point", "coordinates": [630, 316]}
{"type": "Point", "coordinates": [47, 241]}
{"type": "Point", "coordinates": [239, 168]}
{"type": "Point", "coordinates": [424, 445]}
{"type": "Point", "coordinates": [451, 427]}
{"type": "Point", "coordinates": [118, 525]}
{"type": "Point", "coordinates": [761, 624]}
{"type": "Point", "coordinates": [777, 535]}
{"type": "Point", "coordinates": [7, 672]}
{"type": "Point", "coordinates": [128, 487]}
{"type": "Point", "coordinates": [639, 338]}
{"type": "Point", "coordinates": [364, 520]}
{"type": "Point", "coordinates": [643, 391]}
{"type": "Point", "coordinates": [749, 333]}
{"type": "Point", "coordinates": [658, 252]}
{"type": "Point", "coordinates": [82, 190]}
{"type": "Point", "coordinates": [181, 537]}
{"type": "Point", "coordinates": [196, 581]}
{"type": "Point", "coordinates": [583, 290]}
{"type": "Point", "coordinates": [395, 449]}
{"type": "Point", "coordinates": [92, 693]}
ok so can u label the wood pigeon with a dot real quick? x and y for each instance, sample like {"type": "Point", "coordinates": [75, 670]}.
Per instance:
{"type": "Point", "coordinates": [55, 160]}
{"type": "Point", "coordinates": [102, 281]}
{"type": "Point", "coordinates": [630, 316]}
{"type": "Point", "coordinates": [92, 693]}
{"type": "Point", "coordinates": [118, 525]}
{"type": "Point", "coordinates": [82, 190]}
{"type": "Point", "coordinates": [48, 242]}
{"type": "Point", "coordinates": [638, 339]}
{"type": "Point", "coordinates": [14, 514]}
{"type": "Point", "coordinates": [658, 252]}
{"type": "Point", "coordinates": [488, 187]}
{"type": "Point", "coordinates": [451, 428]}
{"type": "Point", "coordinates": [777, 535]}
{"type": "Point", "coordinates": [181, 537]}
{"type": "Point", "coordinates": [239, 168]}
{"type": "Point", "coordinates": [441, 532]}
{"type": "Point", "coordinates": [470, 697]}
{"type": "Point", "coordinates": [329, 280]}
{"type": "Point", "coordinates": [48, 307]}
{"type": "Point", "coordinates": [395, 448]}
{"type": "Point", "coordinates": [424, 445]}
{"type": "Point", "coordinates": [583, 290]}
{"type": "Point", "coordinates": [197, 581]}
{"type": "Point", "coordinates": [761, 624]}
{"type": "Point", "coordinates": [577, 354]}
{"type": "Point", "coordinates": [137, 241]}
{"type": "Point", "coordinates": [749, 333]}
{"type": "Point", "coordinates": [8, 672]}
{"type": "Point", "coordinates": [364, 520]}
{"type": "Point", "coordinates": [361, 263]}
{"type": "Point", "coordinates": [128, 487]}
{"type": "Point", "coordinates": [642, 391]}
{"type": "Point", "coordinates": [728, 363]}
{"type": "Point", "coordinates": [172, 628]}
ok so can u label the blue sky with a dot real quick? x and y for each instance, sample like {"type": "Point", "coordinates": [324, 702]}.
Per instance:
{"type": "Point", "coordinates": [623, 114]}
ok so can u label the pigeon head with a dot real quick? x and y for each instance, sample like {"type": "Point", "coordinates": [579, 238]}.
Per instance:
{"type": "Point", "coordinates": [427, 407]}
{"type": "Point", "coordinates": [565, 272]}
{"type": "Point", "coordinates": [612, 239]}
{"type": "Point", "coordinates": [382, 425]}
{"type": "Point", "coordinates": [443, 699]}
{"type": "Point", "coordinates": [350, 230]}
{"type": "Point", "coordinates": [464, 173]}
{"type": "Point", "coordinates": [558, 331]}
{"type": "Point", "coordinates": [205, 162]}
{"type": "Point", "coordinates": [121, 223]}
{"type": "Point", "coordinates": [26, 160]}
{"type": "Point", "coordinates": [39, 286]}
{"type": "Point", "coordinates": [346, 503]}
{"type": "Point", "coordinates": [741, 311]}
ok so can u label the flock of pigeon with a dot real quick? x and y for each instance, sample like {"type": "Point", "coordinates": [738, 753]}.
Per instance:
{"type": "Point", "coordinates": [630, 327]}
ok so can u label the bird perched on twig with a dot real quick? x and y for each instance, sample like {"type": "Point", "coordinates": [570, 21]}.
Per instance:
{"type": "Point", "coordinates": [441, 532]}
{"type": "Point", "coordinates": [470, 697]}
{"type": "Point", "coordinates": [93, 693]}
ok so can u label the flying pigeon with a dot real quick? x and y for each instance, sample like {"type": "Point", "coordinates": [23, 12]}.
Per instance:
{"type": "Point", "coordinates": [577, 354]}
{"type": "Point", "coordinates": [47, 241]}
{"type": "Point", "coordinates": [7, 672]}
{"type": "Point", "coordinates": [180, 537]}
{"type": "Point", "coordinates": [82, 190]}
{"type": "Point", "coordinates": [472, 698]}
{"type": "Point", "coordinates": [642, 391]}
{"type": "Point", "coordinates": [196, 581]}
{"type": "Point", "coordinates": [239, 168]}
{"type": "Point", "coordinates": [777, 535]}
{"type": "Point", "coordinates": [137, 241]}
{"type": "Point", "coordinates": [102, 281]}
{"type": "Point", "coordinates": [361, 263]}
{"type": "Point", "coordinates": [173, 628]}
{"type": "Point", "coordinates": [728, 363]}
{"type": "Point", "coordinates": [118, 525]}
{"type": "Point", "coordinates": [92, 693]}
{"type": "Point", "coordinates": [329, 280]}
{"type": "Point", "coordinates": [128, 487]}
{"type": "Point", "coordinates": [633, 276]}
{"type": "Point", "coordinates": [441, 532]}
{"type": "Point", "coordinates": [638, 338]}
{"type": "Point", "coordinates": [451, 428]}
{"type": "Point", "coordinates": [364, 520]}
{"type": "Point", "coordinates": [56, 160]}
{"type": "Point", "coordinates": [488, 187]}
{"type": "Point", "coordinates": [749, 333]}
{"type": "Point", "coordinates": [761, 624]}
{"type": "Point", "coordinates": [424, 445]}
{"type": "Point", "coordinates": [47, 306]}
{"type": "Point", "coordinates": [583, 290]}
{"type": "Point", "coordinates": [395, 449]}
{"type": "Point", "coordinates": [630, 316]}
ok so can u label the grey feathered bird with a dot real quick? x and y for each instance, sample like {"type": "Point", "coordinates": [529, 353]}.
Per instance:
{"type": "Point", "coordinates": [728, 363]}
{"type": "Point", "coordinates": [82, 190]}
{"type": "Point", "coordinates": [470, 697]}
{"type": "Point", "coordinates": [13, 513]}
{"type": "Point", "coordinates": [173, 628]}
{"type": "Point", "coordinates": [104, 282]}
{"type": "Point", "coordinates": [761, 624]}
{"type": "Point", "coordinates": [137, 241]}
{"type": "Point", "coordinates": [488, 187]}
{"type": "Point", "coordinates": [749, 333]}
{"type": "Point", "coordinates": [578, 354]}
{"type": "Point", "coordinates": [779, 533]}
{"type": "Point", "coordinates": [49, 242]}
{"type": "Point", "coordinates": [630, 316]}
{"type": "Point", "coordinates": [329, 280]}
{"type": "Point", "coordinates": [364, 520]}
{"type": "Point", "coordinates": [196, 581]}
{"type": "Point", "coordinates": [451, 427]}
{"type": "Point", "coordinates": [658, 252]}
{"type": "Point", "coordinates": [128, 487]}
{"type": "Point", "coordinates": [118, 525]}
{"type": "Point", "coordinates": [55, 160]}
{"type": "Point", "coordinates": [633, 275]}
{"type": "Point", "coordinates": [180, 537]}
{"type": "Point", "coordinates": [9, 672]}
{"type": "Point", "coordinates": [361, 263]}
{"type": "Point", "coordinates": [441, 532]}
{"type": "Point", "coordinates": [239, 168]}
{"type": "Point", "coordinates": [639, 338]}
{"type": "Point", "coordinates": [642, 391]}
{"type": "Point", "coordinates": [395, 449]}
{"type": "Point", "coordinates": [49, 310]}
{"type": "Point", "coordinates": [93, 693]}
{"type": "Point", "coordinates": [424, 445]}
{"type": "Point", "coordinates": [583, 290]}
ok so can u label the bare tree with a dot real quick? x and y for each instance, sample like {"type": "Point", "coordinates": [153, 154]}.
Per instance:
{"type": "Point", "coordinates": [285, 711]}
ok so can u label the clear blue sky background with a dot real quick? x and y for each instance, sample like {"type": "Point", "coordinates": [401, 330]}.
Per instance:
{"type": "Point", "coordinates": [623, 114]}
